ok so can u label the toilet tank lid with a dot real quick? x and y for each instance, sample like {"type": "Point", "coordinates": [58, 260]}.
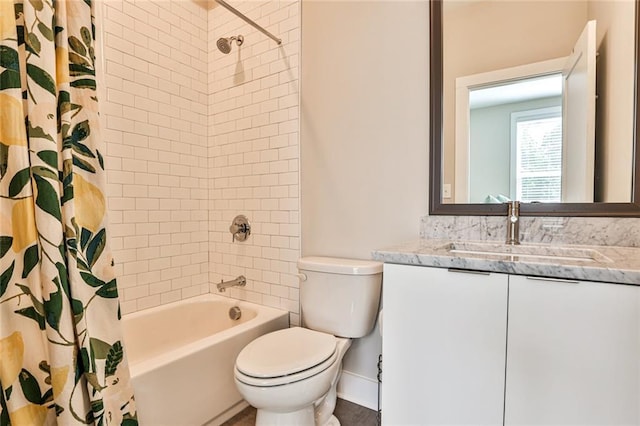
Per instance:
{"type": "Point", "coordinates": [336, 265]}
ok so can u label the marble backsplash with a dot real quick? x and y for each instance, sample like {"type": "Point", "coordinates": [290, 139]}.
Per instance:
{"type": "Point", "coordinates": [600, 231]}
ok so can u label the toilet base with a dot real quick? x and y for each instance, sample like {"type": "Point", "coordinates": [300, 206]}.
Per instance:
{"type": "Point", "coordinates": [303, 417]}
{"type": "Point", "coordinates": [333, 421]}
{"type": "Point", "coordinates": [318, 414]}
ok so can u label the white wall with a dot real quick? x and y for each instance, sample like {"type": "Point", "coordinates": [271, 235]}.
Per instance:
{"type": "Point", "coordinates": [254, 152]}
{"type": "Point", "coordinates": [614, 107]}
{"type": "Point", "coordinates": [155, 114]}
{"type": "Point", "coordinates": [364, 133]}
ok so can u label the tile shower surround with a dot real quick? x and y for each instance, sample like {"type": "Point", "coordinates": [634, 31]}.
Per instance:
{"type": "Point", "coordinates": [194, 137]}
{"type": "Point", "coordinates": [254, 153]}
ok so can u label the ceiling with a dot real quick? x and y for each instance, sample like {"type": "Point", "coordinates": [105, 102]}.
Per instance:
{"type": "Point", "coordinates": [518, 91]}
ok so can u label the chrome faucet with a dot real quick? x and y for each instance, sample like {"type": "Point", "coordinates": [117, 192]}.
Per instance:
{"type": "Point", "coordinates": [513, 222]}
{"type": "Point", "coordinates": [241, 281]}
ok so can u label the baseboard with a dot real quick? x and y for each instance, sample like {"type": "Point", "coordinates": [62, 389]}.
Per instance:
{"type": "Point", "coordinates": [359, 390]}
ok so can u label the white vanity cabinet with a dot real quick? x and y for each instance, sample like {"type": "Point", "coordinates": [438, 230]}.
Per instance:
{"type": "Point", "coordinates": [573, 353]}
{"type": "Point", "coordinates": [443, 346]}
{"type": "Point", "coordinates": [493, 349]}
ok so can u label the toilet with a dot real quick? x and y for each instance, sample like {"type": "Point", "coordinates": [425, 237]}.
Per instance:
{"type": "Point", "coordinates": [290, 376]}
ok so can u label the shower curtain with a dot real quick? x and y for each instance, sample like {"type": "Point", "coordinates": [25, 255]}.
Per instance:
{"type": "Point", "coordinates": [62, 359]}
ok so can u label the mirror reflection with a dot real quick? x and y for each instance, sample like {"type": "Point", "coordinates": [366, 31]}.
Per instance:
{"type": "Point", "coordinates": [538, 101]}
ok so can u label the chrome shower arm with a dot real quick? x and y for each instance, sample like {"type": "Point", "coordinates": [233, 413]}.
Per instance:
{"type": "Point", "coordinates": [248, 21]}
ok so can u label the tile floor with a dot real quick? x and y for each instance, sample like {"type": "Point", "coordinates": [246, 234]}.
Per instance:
{"type": "Point", "coordinates": [348, 413]}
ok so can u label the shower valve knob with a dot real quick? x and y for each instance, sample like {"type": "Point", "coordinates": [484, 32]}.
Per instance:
{"type": "Point", "coordinates": [240, 228]}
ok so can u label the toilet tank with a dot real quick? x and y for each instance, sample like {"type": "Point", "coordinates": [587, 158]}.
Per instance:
{"type": "Point", "coordinates": [340, 296]}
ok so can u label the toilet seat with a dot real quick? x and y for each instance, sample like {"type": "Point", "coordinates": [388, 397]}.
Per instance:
{"type": "Point", "coordinates": [285, 356]}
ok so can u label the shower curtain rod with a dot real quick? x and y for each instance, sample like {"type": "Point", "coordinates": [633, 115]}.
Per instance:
{"type": "Point", "coordinates": [248, 21]}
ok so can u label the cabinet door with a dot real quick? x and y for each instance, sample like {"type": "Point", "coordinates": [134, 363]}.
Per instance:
{"type": "Point", "coordinates": [573, 353]}
{"type": "Point", "coordinates": [443, 346]}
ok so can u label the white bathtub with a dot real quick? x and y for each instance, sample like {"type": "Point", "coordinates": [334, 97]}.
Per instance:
{"type": "Point", "coordinates": [182, 354]}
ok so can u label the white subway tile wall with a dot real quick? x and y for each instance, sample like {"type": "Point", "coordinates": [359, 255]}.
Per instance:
{"type": "Point", "coordinates": [254, 152]}
{"type": "Point", "coordinates": [156, 116]}
{"type": "Point", "coordinates": [195, 137]}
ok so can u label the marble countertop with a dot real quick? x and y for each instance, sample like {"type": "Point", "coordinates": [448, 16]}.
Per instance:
{"type": "Point", "coordinates": [613, 264]}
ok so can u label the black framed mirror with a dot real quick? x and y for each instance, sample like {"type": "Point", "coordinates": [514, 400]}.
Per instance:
{"type": "Point", "coordinates": [436, 204]}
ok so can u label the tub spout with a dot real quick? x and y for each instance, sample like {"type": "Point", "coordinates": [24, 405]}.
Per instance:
{"type": "Point", "coordinates": [241, 281]}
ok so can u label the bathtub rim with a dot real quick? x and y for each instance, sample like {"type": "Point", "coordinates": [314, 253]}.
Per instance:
{"type": "Point", "coordinates": [263, 314]}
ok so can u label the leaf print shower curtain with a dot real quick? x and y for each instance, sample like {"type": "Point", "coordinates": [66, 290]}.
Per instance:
{"type": "Point", "coordinates": [61, 354]}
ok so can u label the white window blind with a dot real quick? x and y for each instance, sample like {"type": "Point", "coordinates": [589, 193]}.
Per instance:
{"type": "Point", "coordinates": [538, 149]}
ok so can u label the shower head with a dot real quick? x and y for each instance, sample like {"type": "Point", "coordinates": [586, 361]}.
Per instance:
{"type": "Point", "coordinates": [224, 43]}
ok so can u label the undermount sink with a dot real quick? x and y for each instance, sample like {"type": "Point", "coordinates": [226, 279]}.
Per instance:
{"type": "Point", "coordinates": [526, 251]}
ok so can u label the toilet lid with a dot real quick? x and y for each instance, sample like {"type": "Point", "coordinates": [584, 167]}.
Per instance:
{"type": "Point", "coordinates": [285, 352]}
